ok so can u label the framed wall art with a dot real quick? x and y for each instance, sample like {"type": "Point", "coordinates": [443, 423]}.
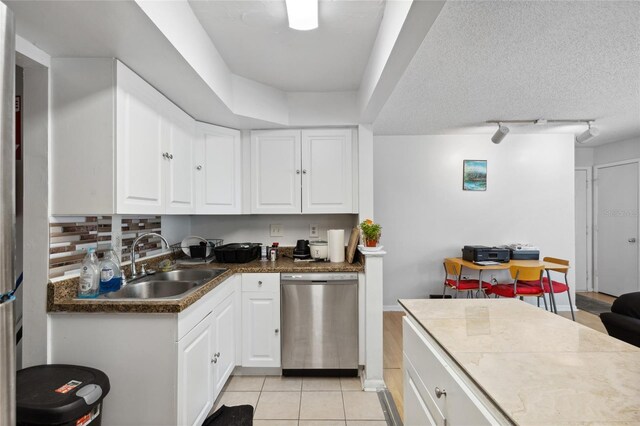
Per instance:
{"type": "Point", "coordinates": [474, 175]}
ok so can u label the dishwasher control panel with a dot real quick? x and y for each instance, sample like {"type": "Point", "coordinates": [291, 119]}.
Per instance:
{"type": "Point", "coordinates": [344, 276]}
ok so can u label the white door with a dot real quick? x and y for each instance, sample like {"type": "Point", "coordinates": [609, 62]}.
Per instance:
{"type": "Point", "coordinates": [327, 171]}
{"type": "Point", "coordinates": [179, 162]}
{"type": "Point", "coordinates": [195, 387]}
{"type": "Point", "coordinates": [139, 142]}
{"type": "Point", "coordinates": [218, 163]}
{"type": "Point", "coordinates": [583, 233]}
{"type": "Point", "coordinates": [260, 329]}
{"type": "Point", "coordinates": [224, 342]}
{"type": "Point", "coordinates": [276, 172]}
{"type": "Point", "coordinates": [617, 228]}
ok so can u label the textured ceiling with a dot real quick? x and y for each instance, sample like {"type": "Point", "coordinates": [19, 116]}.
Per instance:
{"type": "Point", "coordinates": [522, 60]}
{"type": "Point", "coordinates": [255, 41]}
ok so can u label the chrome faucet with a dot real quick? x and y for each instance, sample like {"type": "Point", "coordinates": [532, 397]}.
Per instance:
{"type": "Point", "coordinates": [134, 273]}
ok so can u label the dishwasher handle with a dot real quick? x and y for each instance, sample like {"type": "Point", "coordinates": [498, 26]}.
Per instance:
{"type": "Point", "coordinates": [319, 277]}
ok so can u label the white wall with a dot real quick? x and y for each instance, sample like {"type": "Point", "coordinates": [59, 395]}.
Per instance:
{"type": "Point", "coordinates": [584, 157]}
{"type": "Point", "coordinates": [426, 216]}
{"type": "Point", "coordinates": [618, 151]}
{"type": "Point", "coordinates": [255, 228]}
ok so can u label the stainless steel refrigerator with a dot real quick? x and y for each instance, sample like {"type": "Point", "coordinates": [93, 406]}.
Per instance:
{"type": "Point", "coordinates": [7, 219]}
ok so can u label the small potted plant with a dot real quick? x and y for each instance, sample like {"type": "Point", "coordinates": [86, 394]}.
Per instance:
{"type": "Point", "coordinates": [370, 232]}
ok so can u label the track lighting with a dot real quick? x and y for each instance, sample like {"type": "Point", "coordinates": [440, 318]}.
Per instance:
{"type": "Point", "coordinates": [499, 134]}
{"type": "Point", "coordinates": [503, 130]}
{"type": "Point", "coordinates": [591, 132]}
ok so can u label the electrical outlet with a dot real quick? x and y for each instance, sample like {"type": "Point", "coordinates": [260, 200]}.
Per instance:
{"type": "Point", "coordinates": [277, 231]}
{"type": "Point", "coordinates": [313, 230]}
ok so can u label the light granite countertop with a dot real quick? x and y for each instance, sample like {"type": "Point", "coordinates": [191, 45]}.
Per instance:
{"type": "Point", "coordinates": [538, 367]}
{"type": "Point", "coordinates": [61, 295]}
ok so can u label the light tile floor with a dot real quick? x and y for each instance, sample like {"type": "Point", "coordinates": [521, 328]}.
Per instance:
{"type": "Point", "coordinates": [296, 401]}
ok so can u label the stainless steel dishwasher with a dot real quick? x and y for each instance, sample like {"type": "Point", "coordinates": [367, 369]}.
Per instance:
{"type": "Point", "coordinates": [319, 324]}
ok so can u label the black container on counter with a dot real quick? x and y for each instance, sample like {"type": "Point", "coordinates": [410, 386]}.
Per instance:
{"type": "Point", "coordinates": [237, 252]}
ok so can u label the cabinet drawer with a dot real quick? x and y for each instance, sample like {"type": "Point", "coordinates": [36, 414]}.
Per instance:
{"type": "Point", "coordinates": [420, 409]}
{"type": "Point", "coordinates": [429, 368]}
{"type": "Point", "coordinates": [460, 404]}
{"type": "Point", "coordinates": [261, 282]}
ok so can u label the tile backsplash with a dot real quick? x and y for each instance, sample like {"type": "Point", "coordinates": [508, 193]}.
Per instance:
{"type": "Point", "coordinates": [71, 237]}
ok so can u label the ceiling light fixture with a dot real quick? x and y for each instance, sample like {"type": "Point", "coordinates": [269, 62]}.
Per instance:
{"type": "Point", "coordinates": [502, 131]}
{"type": "Point", "coordinates": [302, 14]}
{"type": "Point", "coordinates": [500, 134]}
{"type": "Point", "coordinates": [591, 132]}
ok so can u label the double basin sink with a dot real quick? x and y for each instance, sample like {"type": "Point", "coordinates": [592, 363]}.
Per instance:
{"type": "Point", "coordinates": [173, 285]}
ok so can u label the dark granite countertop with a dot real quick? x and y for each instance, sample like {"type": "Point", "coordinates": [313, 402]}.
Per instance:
{"type": "Point", "coordinates": [61, 295]}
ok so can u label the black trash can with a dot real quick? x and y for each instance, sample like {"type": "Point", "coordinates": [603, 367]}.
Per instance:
{"type": "Point", "coordinates": [60, 395]}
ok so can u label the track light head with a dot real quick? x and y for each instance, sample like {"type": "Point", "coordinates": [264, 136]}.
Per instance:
{"type": "Point", "coordinates": [500, 134]}
{"type": "Point", "coordinates": [585, 136]}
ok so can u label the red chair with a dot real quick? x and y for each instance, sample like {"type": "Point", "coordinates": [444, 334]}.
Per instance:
{"type": "Point", "coordinates": [557, 286]}
{"type": "Point", "coordinates": [527, 282]}
{"type": "Point", "coordinates": [453, 280]}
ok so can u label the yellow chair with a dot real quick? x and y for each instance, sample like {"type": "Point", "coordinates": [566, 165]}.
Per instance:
{"type": "Point", "coordinates": [556, 287]}
{"type": "Point", "coordinates": [453, 280]}
{"type": "Point", "coordinates": [527, 282]}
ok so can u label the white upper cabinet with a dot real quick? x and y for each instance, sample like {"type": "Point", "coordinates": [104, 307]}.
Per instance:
{"type": "Point", "coordinates": [276, 172]}
{"type": "Point", "coordinates": [327, 171]}
{"type": "Point", "coordinates": [178, 158]}
{"type": "Point", "coordinates": [140, 140]}
{"type": "Point", "coordinates": [218, 164]}
{"type": "Point", "coordinates": [302, 171]}
{"type": "Point", "coordinates": [118, 145]}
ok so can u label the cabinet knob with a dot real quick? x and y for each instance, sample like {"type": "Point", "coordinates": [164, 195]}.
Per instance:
{"type": "Point", "coordinates": [440, 392]}
{"type": "Point", "coordinates": [259, 283]}
{"type": "Point", "coordinates": [304, 171]}
{"type": "Point", "coordinates": [277, 330]}
{"type": "Point", "coordinates": [217, 355]}
{"type": "Point", "coordinates": [297, 172]}
{"type": "Point", "coordinates": [199, 168]}
{"type": "Point", "coordinates": [170, 156]}
{"type": "Point", "coordinates": [165, 155]}
{"type": "Point", "coordinates": [214, 360]}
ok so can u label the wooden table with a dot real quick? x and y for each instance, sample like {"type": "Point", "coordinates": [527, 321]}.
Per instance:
{"type": "Point", "coordinates": [548, 266]}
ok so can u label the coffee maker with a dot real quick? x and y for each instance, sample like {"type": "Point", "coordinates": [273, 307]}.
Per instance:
{"type": "Point", "coordinates": [302, 250]}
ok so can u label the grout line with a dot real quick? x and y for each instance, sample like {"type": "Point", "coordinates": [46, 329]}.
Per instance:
{"type": "Point", "coordinates": [344, 406]}
{"type": "Point", "coordinates": [300, 404]}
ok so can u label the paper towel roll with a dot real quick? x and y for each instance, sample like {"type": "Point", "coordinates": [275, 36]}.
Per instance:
{"type": "Point", "coordinates": [335, 239]}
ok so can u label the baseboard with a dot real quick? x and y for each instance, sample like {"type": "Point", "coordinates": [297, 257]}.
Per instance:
{"type": "Point", "coordinates": [392, 308]}
{"type": "Point", "coordinates": [566, 308]}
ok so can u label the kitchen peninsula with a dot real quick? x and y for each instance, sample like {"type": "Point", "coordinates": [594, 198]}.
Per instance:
{"type": "Point", "coordinates": [506, 362]}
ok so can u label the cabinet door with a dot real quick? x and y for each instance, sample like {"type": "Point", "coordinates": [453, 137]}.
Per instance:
{"type": "Point", "coordinates": [195, 387]}
{"type": "Point", "coordinates": [327, 171]}
{"type": "Point", "coordinates": [224, 342]}
{"type": "Point", "coordinates": [218, 165]}
{"type": "Point", "coordinates": [139, 145]}
{"type": "Point", "coordinates": [275, 172]}
{"type": "Point", "coordinates": [416, 411]}
{"type": "Point", "coordinates": [178, 148]}
{"type": "Point", "coordinates": [260, 329]}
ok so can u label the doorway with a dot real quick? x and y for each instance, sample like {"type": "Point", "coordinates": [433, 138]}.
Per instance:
{"type": "Point", "coordinates": [617, 259]}
{"type": "Point", "coordinates": [583, 224]}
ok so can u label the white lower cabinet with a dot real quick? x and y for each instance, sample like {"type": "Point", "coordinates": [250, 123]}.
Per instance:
{"type": "Point", "coordinates": [261, 320]}
{"type": "Point", "coordinates": [434, 392]}
{"type": "Point", "coordinates": [164, 369]}
{"type": "Point", "coordinates": [195, 384]}
{"type": "Point", "coordinates": [223, 348]}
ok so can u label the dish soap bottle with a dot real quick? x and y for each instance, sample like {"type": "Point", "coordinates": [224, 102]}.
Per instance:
{"type": "Point", "coordinates": [89, 276]}
{"type": "Point", "coordinates": [110, 277]}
